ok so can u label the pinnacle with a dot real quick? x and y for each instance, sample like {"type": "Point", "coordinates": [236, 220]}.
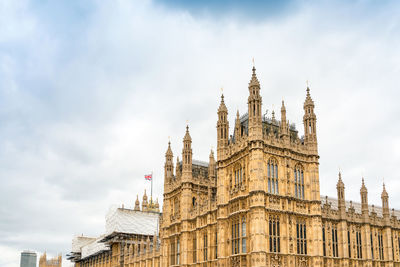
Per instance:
{"type": "Point", "coordinates": [169, 150]}
{"type": "Point", "coordinates": [308, 100]}
{"type": "Point", "coordinates": [340, 181]}
{"type": "Point", "coordinates": [254, 81]}
{"type": "Point", "coordinates": [363, 187]}
{"type": "Point", "coordinates": [384, 193]}
{"type": "Point", "coordinates": [187, 135]}
{"type": "Point", "coordinates": [222, 106]}
{"type": "Point", "coordinates": [211, 154]}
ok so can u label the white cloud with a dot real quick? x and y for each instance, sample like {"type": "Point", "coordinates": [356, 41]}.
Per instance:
{"type": "Point", "coordinates": [86, 114]}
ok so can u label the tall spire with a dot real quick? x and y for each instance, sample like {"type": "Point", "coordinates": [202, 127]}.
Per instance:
{"type": "Point", "coordinates": [211, 165]}
{"type": "Point", "coordinates": [222, 128]}
{"type": "Point", "coordinates": [187, 154]}
{"type": "Point", "coordinates": [364, 198]}
{"type": "Point", "coordinates": [284, 127]}
{"type": "Point", "coordinates": [177, 168]}
{"type": "Point", "coordinates": [237, 127]}
{"type": "Point", "coordinates": [168, 166]}
{"type": "Point", "coordinates": [254, 104]}
{"type": "Point", "coordinates": [385, 202]}
{"type": "Point", "coordinates": [309, 121]}
{"type": "Point", "coordinates": [340, 193]}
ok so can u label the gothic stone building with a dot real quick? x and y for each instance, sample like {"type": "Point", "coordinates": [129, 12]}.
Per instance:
{"type": "Point", "coordinates": [259, 203]}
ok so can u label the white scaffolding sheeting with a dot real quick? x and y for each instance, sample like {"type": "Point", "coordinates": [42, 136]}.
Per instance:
{"type": "Point", "coordinates": [129, 221]}
{"type": "Point", "coordinates": [79, 241]}
{"type": "Point", "coordinates": [93, 247]}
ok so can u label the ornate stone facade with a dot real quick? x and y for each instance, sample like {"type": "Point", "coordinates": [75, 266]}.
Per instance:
{"type": "Point", "coordinates": [259, 204]}
{"type": "Point", "coordinates": [54, 262]}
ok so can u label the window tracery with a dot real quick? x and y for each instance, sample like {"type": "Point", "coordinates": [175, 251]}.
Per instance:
{"type": "Point", "coordinates": [272, 174]}
{"type": "Point", "coordinates": [299, 182]}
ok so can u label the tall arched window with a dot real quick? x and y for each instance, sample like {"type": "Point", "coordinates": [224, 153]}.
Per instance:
{"type": "Point", "coordinates": [299, 182]}
{"type": "Point", "coordinates": [238, 175]}
{"type": "Point", "coordinates": [244, 235]}
{"type": "Point", "coordinates": [239, 235]}
{"type": "Point", "coordinates": [274, 234]}
{"type": "Point", "coordinates": [272, 173]}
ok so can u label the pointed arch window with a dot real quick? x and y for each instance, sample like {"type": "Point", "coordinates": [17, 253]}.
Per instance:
{"type": "Point", "coordinates": [301, 234]}
{"type": "Point", "coordinates": [238, 175]}
{"type": "Point", "coordinates": [358, 243]}
{"type": "Point", "coordinates": [272, 174]}
{"type": "Point", "coordinates": [239, 235]}
{"type": "Point", "coordinates": [274, 234]}
{"type": "Point", "coordinates": [335, 248]}
{"type": "Point", "coordinates": [244, 235]}
{"type": "Point", "coordinates": [380, 245]}
{"type": "Point", "coordinates": [299, 182]}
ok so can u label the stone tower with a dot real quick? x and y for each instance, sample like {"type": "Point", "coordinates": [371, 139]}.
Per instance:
{"type": "Point", "coordinates": [309, 121]}
{"type": "Point", "coordinates": [222, 128]}
{"type": "Point", "coordinates": [168, 166]}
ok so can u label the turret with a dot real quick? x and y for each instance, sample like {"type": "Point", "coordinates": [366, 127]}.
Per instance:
{"type": "Point", "coordinates": [340, 193]}
{"type": "Point", "coordinates": [309, 120]}
{"type": "Point", "coordinates": [137, 203]}
{"type": "Point", "coordinates": [254, 103]}
{"type": "Point", "coordinates": [144, 202]}
{"type": "Point", "coordinates": [177, 169]}
{"type": "Point", "coordinates": [238, 127]}
{"type": "Point", "coordinates": [284, 126]}
{"type": "Point", "coordinates": [187, 155]}
{"type": "Point", "coordinates": [364, 198]}
{"type": "Point", "coordinates": [169, 166]}
{"type": "Point", "coordinates": [385, 202]}
{"type": "Point", "coordinates": [157, 206]}
{"type": "Point", "coordinates": [211, 166]}
{"type": "Point", "coordinates": [222, 128]}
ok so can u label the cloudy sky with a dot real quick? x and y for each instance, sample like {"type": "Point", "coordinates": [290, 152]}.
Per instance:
{"type": "Point", "coordinates": [91, 90]}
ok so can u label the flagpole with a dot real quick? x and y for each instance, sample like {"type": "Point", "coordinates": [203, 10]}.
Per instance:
{"type": "Point", "coordinates": [151, 192]}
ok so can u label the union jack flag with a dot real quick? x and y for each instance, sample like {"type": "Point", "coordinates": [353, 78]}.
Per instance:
{"type": "Point", "coordinates": [148, 177]}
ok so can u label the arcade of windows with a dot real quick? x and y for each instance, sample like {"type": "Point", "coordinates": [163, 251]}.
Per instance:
{"type": "Point", "coordinates": [239, 235]}
{"type": "Point", "coordinates": [358, 243]}
{"type": "Point", "coordinates": [272, 171]}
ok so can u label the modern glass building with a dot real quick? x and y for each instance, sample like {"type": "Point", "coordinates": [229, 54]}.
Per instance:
{"type": "Point", "coordinates": [28, 259]}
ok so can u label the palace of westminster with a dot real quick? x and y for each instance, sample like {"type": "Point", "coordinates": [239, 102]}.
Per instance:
{"type": "Point", "coordinates": [257, 204]}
